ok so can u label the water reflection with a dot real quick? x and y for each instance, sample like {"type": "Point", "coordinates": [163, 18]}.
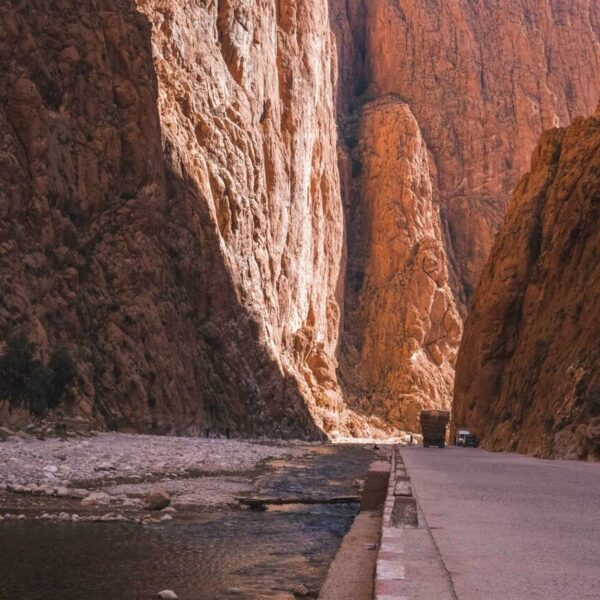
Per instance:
{"type": "Point", "coordinates": [240, 555]}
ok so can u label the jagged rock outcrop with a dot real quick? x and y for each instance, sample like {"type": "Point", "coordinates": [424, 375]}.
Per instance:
{"type": "Point", "coordinates": [170, 208]}
{"type": "Point", "coordinates": [404, 326]}
{"type": "Point", "coordinates": [527, 376]}
{"type": "Point", "coordinates": [482, 80]}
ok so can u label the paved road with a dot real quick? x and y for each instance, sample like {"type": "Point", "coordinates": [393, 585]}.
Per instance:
{"type": "Point", "coordinates": [510, 527]}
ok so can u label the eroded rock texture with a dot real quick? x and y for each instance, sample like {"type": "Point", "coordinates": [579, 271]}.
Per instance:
{"type": "Point", "coordinates": [527, 375]}
{"type": "Point", "coordinates": [170, 208]}
{"type": "Point", "coordinates": [404, 326]}
{"type": "Point", "coordinates": [170, 197]}
{"type": "Point", "coordinates": [482, 80]}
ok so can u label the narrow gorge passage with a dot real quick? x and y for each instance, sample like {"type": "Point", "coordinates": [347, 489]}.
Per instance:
{"type": "Point", "coordinates": [244, 244]}
{"type": "Point", "coordinates": [263, 218]}
{"type": "Point", "coordinates": [439, 111]}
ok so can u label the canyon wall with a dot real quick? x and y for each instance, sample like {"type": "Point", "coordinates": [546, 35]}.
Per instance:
{"type": "Point", "coordinates": [527, 376]}
{"type": "Point", "coordinates": [182, 239]}
{"type": "Point", "coordinates": [482, 80]}
{"type": "Point", "coordinates": [171, 216]}
{"type": "Point", "coordinates": [405, 325]}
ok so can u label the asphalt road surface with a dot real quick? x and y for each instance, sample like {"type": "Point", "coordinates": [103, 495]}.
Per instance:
{"type": "Point", "coordinates": [510, 527]}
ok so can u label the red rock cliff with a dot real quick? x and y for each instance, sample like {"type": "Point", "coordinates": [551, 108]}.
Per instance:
{"type": "Point", "coordinates": [170, 208]}
{"type": "Point", "coordinates": [403, 321]}
{"type": "Point", "coordinates": [527, 376]}
{"type": "Point", "coordinates": [481, 80]}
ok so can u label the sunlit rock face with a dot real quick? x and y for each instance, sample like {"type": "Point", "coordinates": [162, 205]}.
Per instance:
{"type": "Point", "coordinates": [173, 215]}
{"type": "Point", "coordinates": [170, 208]}
{"type": "Point", "coordinates": [527, 376]}
{"type": "Point", "coordinates": [404, 325]}
{"type": "Point", "coordinates": [482, 80]}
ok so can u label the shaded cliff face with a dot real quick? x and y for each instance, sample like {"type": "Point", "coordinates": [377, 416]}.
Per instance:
{"type": "Point", "coordinates": [482, 80]}
{"type": "Point", "coordinates": [527, 374]}
{"type": "Point", "coordinates": [170, 208]}
{"type": "Point", "coordinates": [171, 211]}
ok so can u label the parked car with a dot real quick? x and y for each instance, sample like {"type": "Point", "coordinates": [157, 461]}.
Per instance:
{"type": "Point", "coordinates": [471, 441]}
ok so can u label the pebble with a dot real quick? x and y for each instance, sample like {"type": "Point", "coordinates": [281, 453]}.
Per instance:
{"type": "Point", "coordinates": [132, 502]}
{"type": "Point", "coordinates": [79, 493]}
{"type": "Point", "coordinates": [167, 595]}
{"type": "Point", "coordinates": [300, 590]}
{"type": "Point", "coordinates": [104, 467]}
{"type": "Point", "coordinates": [108, 517]}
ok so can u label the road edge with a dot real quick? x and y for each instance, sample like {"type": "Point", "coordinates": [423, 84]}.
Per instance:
{"type": "Point", "coordinates": [409, 565]}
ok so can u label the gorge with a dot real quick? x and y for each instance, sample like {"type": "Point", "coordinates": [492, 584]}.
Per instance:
{"type": "Point", "coordinates": [270, 216]}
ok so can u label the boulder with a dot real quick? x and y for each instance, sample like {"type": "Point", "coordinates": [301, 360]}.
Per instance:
{"type": "Point", "coordinates": [157, 499]}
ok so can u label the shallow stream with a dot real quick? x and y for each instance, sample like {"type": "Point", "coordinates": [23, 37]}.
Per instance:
{"type": "Point", "coordinates": [231, 554]}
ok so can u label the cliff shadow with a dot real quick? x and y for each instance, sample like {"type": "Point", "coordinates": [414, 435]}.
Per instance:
{"type": "Point", "coordinates": [142, 295]}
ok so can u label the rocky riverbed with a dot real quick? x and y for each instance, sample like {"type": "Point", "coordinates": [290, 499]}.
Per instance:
{"type": "Point", "coordinates": [112, 476]}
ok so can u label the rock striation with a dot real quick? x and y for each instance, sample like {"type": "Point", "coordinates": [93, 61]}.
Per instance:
{"type": "Point", "coordinates": [483, 79]}
{"type": "Point", "coordinates": [182, 240]}
{"type": "Point", "coordinates": [527, 375]}
{"type": "Point", "coordinates": [170, 209]}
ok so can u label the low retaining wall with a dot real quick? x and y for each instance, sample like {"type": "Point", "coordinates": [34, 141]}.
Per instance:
{"type": "Point", "coordinates": [399, 513]}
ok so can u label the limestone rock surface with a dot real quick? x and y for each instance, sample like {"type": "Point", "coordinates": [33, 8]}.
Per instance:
{"type": "Point", "coordinates": [481, 81]}
{"type": "Point", "coordinates": [170, 208]}
{"type": "Point", "coordinates": [527, 375]}
{"type": "Point", "coordinates": [172, 214]}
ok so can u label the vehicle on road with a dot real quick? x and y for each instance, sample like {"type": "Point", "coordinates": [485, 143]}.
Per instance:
{"type": "Point", "coordinates": [461, 436]}
{"type": "Point", "coordinates": [433, 427]}
{"type": "Point", "coordinates": [466, 438]}
{"type": "Point", "coordinates": [471, 441]}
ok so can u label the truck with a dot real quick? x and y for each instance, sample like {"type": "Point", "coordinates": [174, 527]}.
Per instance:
{"type": "Point", "coordinates": [433, 427]}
